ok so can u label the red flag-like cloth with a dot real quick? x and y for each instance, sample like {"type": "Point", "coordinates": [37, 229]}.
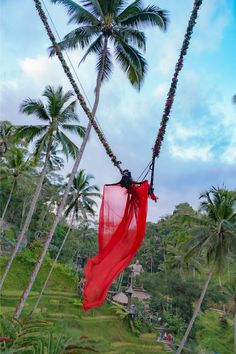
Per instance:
{"type": "Point", "coordinates": [122, 224]}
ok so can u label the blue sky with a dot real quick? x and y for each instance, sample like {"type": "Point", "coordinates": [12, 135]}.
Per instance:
{"type": "Point", "coordinates": [200, 146]}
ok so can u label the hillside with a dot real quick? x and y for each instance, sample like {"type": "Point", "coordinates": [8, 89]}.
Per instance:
{"type": "Point", "coordinates": [60, 306]}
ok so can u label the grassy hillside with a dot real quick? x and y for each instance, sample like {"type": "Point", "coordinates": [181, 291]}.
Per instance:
{"type": "Point", "coordinates": [60, 306]}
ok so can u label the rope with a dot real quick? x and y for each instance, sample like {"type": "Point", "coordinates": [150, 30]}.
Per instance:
{"type": "Point", "coordinates": [68, 73]}
{"type": "Point", "coordinates": [171, 94]}
{"type": "Point", "coordinates": [147, 168]}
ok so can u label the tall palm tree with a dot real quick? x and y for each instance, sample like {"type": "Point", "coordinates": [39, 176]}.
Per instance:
{"type": "Point", "coordinates": [215, 240]}
{"type": "Point", "coordinates": [15, 164]}
{"type": "Point", "coordinates": [134, 64]}
{"type": "Point", "coordinates": [80, 201]}
{"type": "Point", "coordinates": [58, 116]}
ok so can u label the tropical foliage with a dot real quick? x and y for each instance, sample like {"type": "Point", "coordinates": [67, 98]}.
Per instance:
{"type": "Point", "coordinates": [112, 29]}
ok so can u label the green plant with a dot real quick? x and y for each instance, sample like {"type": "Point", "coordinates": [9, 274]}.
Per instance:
{"type": "Point", "coordinates": [36, 337]}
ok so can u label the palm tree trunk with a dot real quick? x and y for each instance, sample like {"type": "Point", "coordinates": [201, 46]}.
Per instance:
{"type": "Point", "coordinates": [196, 311]}
{"type": "Point", "coordinates": [23, 213]}
{"type": "Point", "coordinates": [29, 215]}
{"type": "Point", "coordinates": [9, 199]}
{"type": "Point", "coordinates": [61, 207]}
{"type": "Point", "coordinates": [52, 267]}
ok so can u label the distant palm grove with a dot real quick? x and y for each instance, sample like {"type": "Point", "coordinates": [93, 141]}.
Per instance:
{"type": "Point", "coordinates": [183, 301]}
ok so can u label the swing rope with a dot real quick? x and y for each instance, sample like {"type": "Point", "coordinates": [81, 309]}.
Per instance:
{"type": "Point", "coordinates": [80, 97]}
{"type": "Point", "coordinates": [173, 87]}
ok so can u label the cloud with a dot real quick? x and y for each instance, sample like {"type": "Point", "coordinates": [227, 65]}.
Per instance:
{"type": "Point", "coordinates": [214, 17]}
{"type": "Point", "coordinates": [191, 152]}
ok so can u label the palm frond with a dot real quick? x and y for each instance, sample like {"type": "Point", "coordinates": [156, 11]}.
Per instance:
{"type": "Point", "coordinates": [36, 107]}
{"type": "Point", "coordinates": [73, 9]}
{"type": "Point", "coordinates": [31, 132]}
{"type": "Point", "coordinates": [94, 48]}
{"type": "Point", "coordinates": [56, 99]}
{"type": "Point", "coordinates": [132, 36]}
{"type": "Point", "coordinates": [131, 62]}
{"type": "Point", "coordinates": [151, 15]}
{"type": "Point", "coordinates": [68, 147]}
{"type": "Point", "coordinates": [40, 145]}
{"type": "Point", "coordinates": [94, 7]}
{"type": "Point", "coordinates": [68, 114]}
{"type": "Point", "coordinates": [131, 10]}
{"type": "Point", "coordinates": [78, 129]}
{"type": "Point", "coordinates": [79, 37]}
{"type": "Point", "coordinates": [108, 66]}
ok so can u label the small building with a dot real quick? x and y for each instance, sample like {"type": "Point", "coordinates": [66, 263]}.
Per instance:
{"type": "Point", "coordinates": [140, 294]}
{"type": "Point", "coordinates": [120, 298]}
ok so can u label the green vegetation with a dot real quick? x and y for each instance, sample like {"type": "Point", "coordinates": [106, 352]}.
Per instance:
{"type": "Point", "coordinates": [60, 307]}
{"type": "Point", "coordinates": [173, 295]}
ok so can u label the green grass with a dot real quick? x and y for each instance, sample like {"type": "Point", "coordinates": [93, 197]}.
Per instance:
{"type": "Point", "coordinates": [59, 306]}
{"type": "Point", "coordinates": [101, 325]}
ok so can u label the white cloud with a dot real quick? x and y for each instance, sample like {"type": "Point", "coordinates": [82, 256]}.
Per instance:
{"type": "Point", "coordinates": [211, 24]}
{"type": "Point", "coordinates": [191, 152]}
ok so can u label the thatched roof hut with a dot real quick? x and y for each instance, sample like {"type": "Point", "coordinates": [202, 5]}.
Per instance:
{"type": "Point", "coordinates": [120, 298]}
{"type": "Point", "coordinates": [140, 294]}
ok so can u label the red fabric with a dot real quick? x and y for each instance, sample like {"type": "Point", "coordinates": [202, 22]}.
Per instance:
{"type": "Point", "coordinates": [122, 224]}
{"type": "Point", "coordinates": [153, 197]}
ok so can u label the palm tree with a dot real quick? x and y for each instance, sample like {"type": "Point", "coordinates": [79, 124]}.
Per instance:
{"type": "Point", "coordinates": [16, 164]}
{"type": "Point", "coordinates": [57, 115]}
{"type": "Point", "coordinates": [135, 66]}
{"type": "Point", "coordinates": [215, 240]}
{"type": "Point", "coordinates": [81, 196]}
{"type": "Point", "coordinates": [6, 136]}
{"type": "Point", "coordinates": [175, 259]}
{"type": "Point", "coordinates": [80, 200]}
{"type": "Point", "coordinates": [55, 162]}
{"type": "Point", "coordinates": [115, 23]}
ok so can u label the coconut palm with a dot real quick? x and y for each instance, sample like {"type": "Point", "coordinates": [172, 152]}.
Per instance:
{"type": "Point", "coordinates": [59, 117]}
{"type": "Point", "coordinates": [6, 136]}
{"type": "Point", "coordinates": [15, 164]}
{"type": "Point", "coordinates": [215, 239]}
{"type": "Point", "coordinates": [115, 23]}
{"type": "Point", "coordinates": [134, 64]}
{"type": "Point", "coordinates": [80, 201]}
{"type": "Point", "coordinates": [82, 194]}
{"type": "Point", "coordinates": [175, 259]}
{"type": "Point", "coordinates": [55, 161]}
